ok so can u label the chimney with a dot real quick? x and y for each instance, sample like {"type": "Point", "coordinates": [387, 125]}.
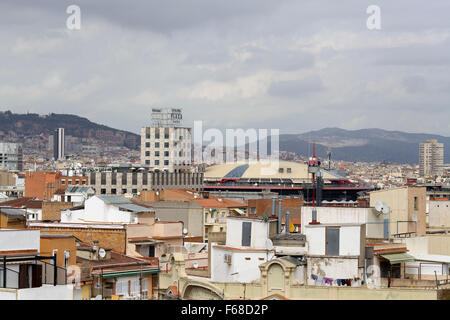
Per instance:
{"type": "Point", "coordinates": [280, 214]}
{"type": "Point", "coordinates": [314, 216]}
{"type": "Point", "coordinates": [95, 247]}
{"type": "Point", "coordinates": [286, 225]}
{"type": "Point", "coordinates": [274, 206]}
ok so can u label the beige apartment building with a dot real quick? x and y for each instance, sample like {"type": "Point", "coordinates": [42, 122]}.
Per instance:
{"type": "Point", "coordinates": [166, 149]}
{"type": "Point", "coordinates": [407, 210]}
{"type": "Point", "coordinates": [431, 158]}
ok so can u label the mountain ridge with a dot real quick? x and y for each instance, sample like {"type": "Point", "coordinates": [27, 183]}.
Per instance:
{"type": "Point", "coordinates": [368, 145]}
{"type": "Point", "coordinates": [33, 124]}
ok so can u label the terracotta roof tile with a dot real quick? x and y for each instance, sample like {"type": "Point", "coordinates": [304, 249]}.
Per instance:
{"type": "Point", "coordinates": [216, 203]}
{"type": "Point", "coordinates": [26, 202]}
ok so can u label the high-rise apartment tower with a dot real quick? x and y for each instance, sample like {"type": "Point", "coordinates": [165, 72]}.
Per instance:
{"type": "Point", "coordinates": [431, 158]}
{"type": "Point", "coordinates": [166, 145]}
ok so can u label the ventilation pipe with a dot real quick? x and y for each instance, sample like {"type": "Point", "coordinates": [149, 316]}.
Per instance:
{"type": "Point", "coordinates": [286, 226]}
{"type": "Point", "coordinates": [280, 214]}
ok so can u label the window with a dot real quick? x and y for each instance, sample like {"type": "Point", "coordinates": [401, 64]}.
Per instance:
{"type": "Point", "coordinates": [63, 181]}
{"type": "Point", "coordinates": [147, 144]}
{"type": "Point", "coordinates": [166, 144]}
{"type": "Point", "coordinates": [124, 191]}
{"type": "Point", "coordinates": [416, 203]}
{"type": "Point", "coordinates": [156, 162]}
{"type": "Point", "coordinates": [147, 162]}
{"type": "Point", "coordinates": [156, 144]}
{"type": "Point", "coordinates": [103, 191]}
{"type": "Point", "coordinates": [280, 170]}
{"type": "Point", "coordinates": [166, 136]}
{"type": "Point", "coordinates": [253, 210]}
{"type": "Point", "coordinates": [77, 181]}
{"type": "Point", "coordinates": [288, 170]}
{"type": "Point", "coordinates": [166, 153]}
{"type": "Point", "coordinates": [83, 182]}
{"type": "Point", "coordinates": [166, 162]}
{"type": "Point", "coordinates": [156, 153]}
{"type": "Point", "coordinates": [113, 191]}
{"type": "Point", "coordinates": [134, 287]}
{"type": "Point", "coordinates": [147, 136]}
{"type": "Point", "coordinates": [121, 288]}
{"type": "Point", "coordinates": [145, 288]}
{"type": "Point", "coordinates": [134, 191]}
{"type": "Point", "coordinates": [147, 153]}
{"type": "Point", "coordinates": [156, 135]}
{"type": "Point", "coordinates": [69, 181]}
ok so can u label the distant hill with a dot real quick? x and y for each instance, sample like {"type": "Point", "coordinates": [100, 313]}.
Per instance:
{"type": "Point", "coordinates": [368, 145]}
{"type": "Point", "coordinates": [33, 124]}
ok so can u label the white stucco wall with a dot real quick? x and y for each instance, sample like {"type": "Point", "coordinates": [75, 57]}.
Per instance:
{"type": "Point", "coordinates": [339, 215]}
{"type": "Point", "coordinates": [439, 213]}
{"type": "Point", "coordinates": [241, 269]}
{"type": "Point", "coordinates": [47, 292]}
{"type": "Point", "coordinates": [315, 238]}
{"type": "Point", "coordinates": [259, 232]}
{"type": "Point", "coordinates": [19, 240]}
{"type": "Point", "coordinates": [96, 210]}
{"type": "Point", "coordinates": [335, 268]}
{"type": "Point", "coordinates": [349, 240]}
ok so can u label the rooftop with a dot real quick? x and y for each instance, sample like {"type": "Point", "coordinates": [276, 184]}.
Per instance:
{"type": "Point", "coordinates": [23, 202]}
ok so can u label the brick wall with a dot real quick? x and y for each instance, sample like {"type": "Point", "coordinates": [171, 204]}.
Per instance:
{"type": "Point", "coordinates": [107, 238]}
{"type": "Point", "coordinates": [42, 185]}
{"type": "Point", "coordinates": [52, 210]}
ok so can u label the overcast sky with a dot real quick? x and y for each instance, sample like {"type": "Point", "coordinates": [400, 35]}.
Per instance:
{"type": "Point", "coordinates": [296, 65]}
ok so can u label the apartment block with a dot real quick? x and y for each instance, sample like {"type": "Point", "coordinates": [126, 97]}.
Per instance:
{"type": "Point", "coordinates": [431, 158]}
{"type": "Point", "coordinates": [166, 149]}
{"type": "Point", "coordinates": [11, 156]}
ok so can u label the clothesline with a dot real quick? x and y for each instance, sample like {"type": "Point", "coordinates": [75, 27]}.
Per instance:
{"type": "Point", "coordinates": [330, 281]}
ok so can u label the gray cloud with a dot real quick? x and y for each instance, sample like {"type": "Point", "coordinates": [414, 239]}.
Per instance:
{"type": "Point", "coordinates": [253, 63]}
{"type": "Point", "coordinates": [296, 88]}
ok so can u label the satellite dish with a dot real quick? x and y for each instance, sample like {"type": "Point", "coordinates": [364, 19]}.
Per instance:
{"type": "Point", "coordinates": [378, 205]}
{"type": "Point", "coordinates": [385, 209]}
{"type": "Point", "coordinates": [195, 265]}
{"type": "Point", "coordinates": [101, 253]}
{"type": "Point", "coordinates": [269, 244]}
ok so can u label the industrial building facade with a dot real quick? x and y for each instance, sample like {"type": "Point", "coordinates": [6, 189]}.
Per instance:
{"type": "Point", "coordinates": [117, 183]}
{"type": "Point", "coordinates": [11, 156]}
{"type": "Point", "coordinates": [431, 158]}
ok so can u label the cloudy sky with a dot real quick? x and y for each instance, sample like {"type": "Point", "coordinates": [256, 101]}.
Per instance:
{"type": "Point", "coordinates": [296, 65]}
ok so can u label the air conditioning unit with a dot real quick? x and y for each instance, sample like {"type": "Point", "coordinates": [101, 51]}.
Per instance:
{"type": "Point", "coordinates": [227, 258]}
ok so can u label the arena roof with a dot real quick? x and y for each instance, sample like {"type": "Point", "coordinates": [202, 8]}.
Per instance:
{"type": "Point", "coordinates": [298, 172]}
